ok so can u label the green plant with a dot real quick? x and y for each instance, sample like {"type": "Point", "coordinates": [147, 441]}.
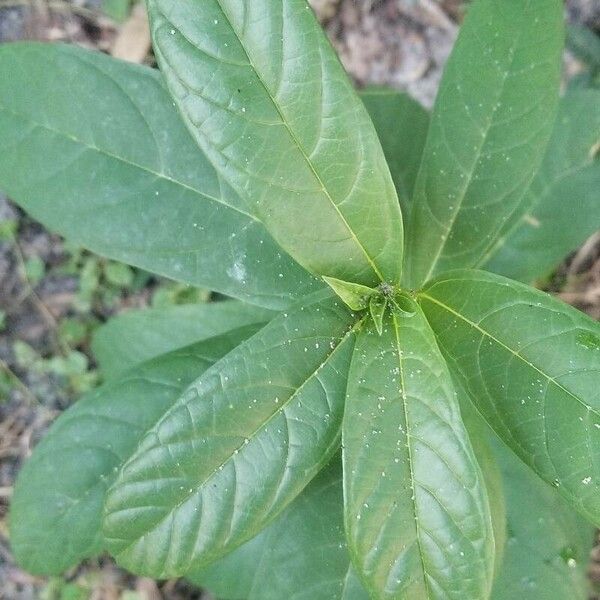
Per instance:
{"type": "Point", "coordinates": [585, 45]}
{"type": "Point", "coordinates": [117, 9]}
{"type": "Point", "coordinates": [212, 451]}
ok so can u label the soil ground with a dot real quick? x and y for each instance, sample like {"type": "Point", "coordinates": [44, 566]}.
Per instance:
{"type": "Point", "coordinates": [52, 296]}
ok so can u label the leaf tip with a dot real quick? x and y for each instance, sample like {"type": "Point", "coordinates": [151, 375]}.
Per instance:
{"type": "Point", "coordinates": [354, 295]}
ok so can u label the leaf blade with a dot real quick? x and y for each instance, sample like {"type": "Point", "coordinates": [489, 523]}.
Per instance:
{"type": "Point", "coordinates": [354, 295]}
{"type": "Point", "coordinates": [553, 227]}
{"type": "Point", "coordinates": [488, 132]}
{"type": "Point", "coordinates": [286, 560]}
{"type": "Point", "coordinates": [479, 433]}
{"type": "Point", "coordinates": [265, 97]}
{"type": "Point", "coordinates": [401, 124]}
{"type": "Point", "coordinates": [287, 383]}
{"type": "Point", "coordinates": [409, 535]}
{"type": "Point", "coordinates": [56, 510]}
{"type": "Point", "coordinates": [528, 363]}
{"type": "Point", "coordinates": [547, 555]}
{"type": "Point", "coordinates": [140, 335]}
{"type": "Point", "coordinates": [134, 188]}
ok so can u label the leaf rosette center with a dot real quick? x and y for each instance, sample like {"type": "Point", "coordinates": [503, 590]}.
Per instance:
{"type": "Point", "coordinates": [360, 297]}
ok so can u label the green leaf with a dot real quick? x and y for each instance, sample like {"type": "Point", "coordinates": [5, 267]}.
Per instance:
{"type": "Point", "coordinates": [548, 548]}
{"type": "Point", "coordinates": [416, 509]}
{"type": "Point", "coordinates": [265, 97]}
{"type": "Point", "coordinates": [58, 589]}
{"type": "Point", "coordinates": [117, 9]}
{"type": "Point", "coordinates": [104, 159]}
{"type": "Point", "coordinates": [89, 282]}
{"type": "Point", "coordinates": [354, 295]}
{"type": "Point", "coordinates": [302, 555]}
{"type": "Point", "coordinates": [8, 229]}
{"type": "Point", "coordinates": [118, 274]}
{"type": "Point", "coordinates": [139, 335]}
{"type": "Point", "coordinates": [25, 356]}
{"type": "Point", "coordinates": [489, 129]}
{"type": "Point", "coordinates": [531, 366]}
{"type": "Point", "coordinates": [171, 294]}
{"type": "Point", "coordinates": [584, 80]}
{"type": "Point", "coordinates": [479, 433]}
{"type": "Point", "coordinates": [563, 196]}
{"type": "Point", "coordinates": [233, 576]}
{"type": "Point", "coordinates": [401, 124]}
{"type": "Point", "coordinates": [56, 509]}
{"type": "Point", "coordinates": [74, 363]}
{"type": "Point", "coordinates": [237, 447]}
{"type": "Point", "coordinates": [353, 589]}
{"type": "Point", "coordinates": [35, 269]}
{"type": "Point", "coordinates": [74, 332]}
{"type": "Point", "coordinates": [404, 304]}
{"type": "Point", "coordinates": [585, 44]}
{"type": "Point", "coordinates": [377, 306]}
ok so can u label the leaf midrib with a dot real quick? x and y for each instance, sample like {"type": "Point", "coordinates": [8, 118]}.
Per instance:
{"type": "Point", "coordinates": [481, 146]}
{"type": "Point", "coordinates": [410, 456]}
{"type": "Point", "coordinates": [74, 502]}
{"type": "Point", "coordinates": [487, 334]}
{"type": "Point", "coordinates": [231, 455]}
{"type": "Point", "coordinates": [291, 133]}
{"type": "Point", "coordinates": [549, 186]}
{"type": "Point", "coordinates": [121, 159]}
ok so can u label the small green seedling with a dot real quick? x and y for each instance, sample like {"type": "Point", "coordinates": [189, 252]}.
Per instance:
{"type": "Point", "coordinates": [382, 308]}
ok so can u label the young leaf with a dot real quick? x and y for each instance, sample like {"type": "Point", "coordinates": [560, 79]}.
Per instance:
{"type": "Point", "coordinates": [354, 295]}
{"type": "Point", "coordinates": [56, 510]}
{"type": "Point", "coordinates": [305, 549]}
{"type": "Point", "coordinates": [531, 366]}
{"type": "Point", "coordinates": [237, 447]}
{"type": "Point", "coordinates": [104, 159]}
{"type": "Point", "coordinates": [377, 306]}
{"type": "Point", "coordinates": [563, 196]}
{"type": "Point", "coordinates": [489, 129]}
{"type": "Point", "coordinates": [264, 95]}
{"type": "Point", "coordinates": [404, 304]}
{"type": "Point", "coordinates": [416, 509]}
{"type": "Point", "coordinates": [139, 335]}
{"type": "Point", "coordinates": [401, 124]}
{"type": "Point", "coordinates": [549, 545]}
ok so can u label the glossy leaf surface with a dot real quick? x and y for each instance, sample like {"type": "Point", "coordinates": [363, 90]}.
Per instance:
{"type": "Point", "coordinates": [237, 447]}
{"type": "Point", "coordinates": [56, 510]}
{"type": "Point", "coordinates": [488, 133]}
{"type": "Point", "coordinates": [139, 335]}
{"type": "Point", "coordinates": [479, 434]}
{"type": "Point", "coordinates": [548, 546]}
{"type": "Point", "coordinates": [302, 556]}
{"type": "Point", "coordinates": [531, 366]}
{"type": "Point", "coordinates": [416, 508]}
{"type": "Point", "coordinates": [563, 196]}
{"type": "Point", "coordinates": [354, 295]}
{"type": "Point", "coordinates": [377, 307]}
{"type": "Point", "coordinates": [401, 124]}
{"type": "Point", "coordinates": [264, 95]}
{"type": "Point", "coordinates": [104, 159]}
{"type": "Point", "coordinates": [233, 576]}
